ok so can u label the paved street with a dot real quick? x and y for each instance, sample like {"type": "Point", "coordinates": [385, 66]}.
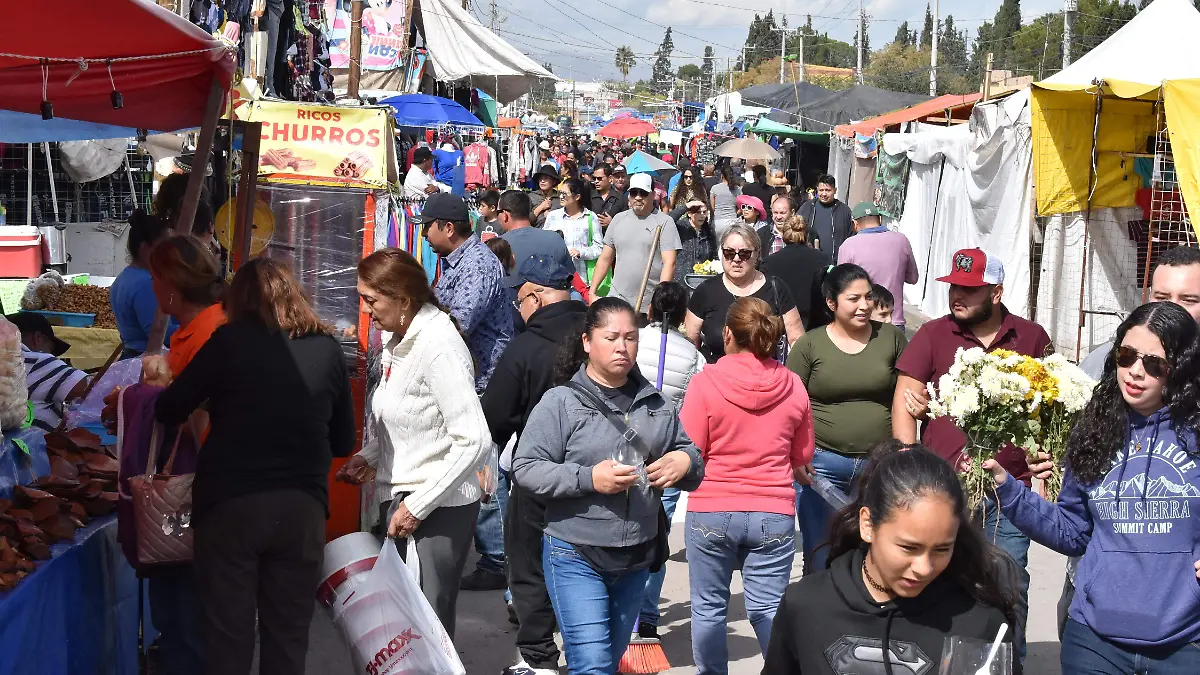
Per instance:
{"type": "Point", "coordinates": [485, 638]}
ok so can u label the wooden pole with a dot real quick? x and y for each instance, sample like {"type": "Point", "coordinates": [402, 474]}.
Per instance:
{"type": "Point", "coordinates": [356, 12]}
{"type": "Point", "coordinates": [987, 78]}
{"type": "Point", "coordinates": [243, 227]}
{"type": "Point", "coordinates": [191, 197]}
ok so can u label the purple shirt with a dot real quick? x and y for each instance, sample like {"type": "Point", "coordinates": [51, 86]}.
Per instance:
{"type": "Point", "coordinates": [888, 258]}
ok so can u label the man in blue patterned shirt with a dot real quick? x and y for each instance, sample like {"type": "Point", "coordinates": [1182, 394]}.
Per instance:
{"type": "Point", "coordinates": [471, 284]}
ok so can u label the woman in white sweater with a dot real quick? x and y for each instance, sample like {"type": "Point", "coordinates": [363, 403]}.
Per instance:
{"type": "Point", "coordinates": [430, 432]}
{"type": "Point", "coordinates": [577, 224]}
{"type": "Point", "coordinates": [667, 308]}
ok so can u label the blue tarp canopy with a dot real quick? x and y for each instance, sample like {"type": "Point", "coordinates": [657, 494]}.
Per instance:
{"type": "Point", "coordinates": [422, 110]}
{"type": "Point", "coordinates": [19, 127]}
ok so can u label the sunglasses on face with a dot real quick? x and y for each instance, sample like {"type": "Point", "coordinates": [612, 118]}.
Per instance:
{"type": "Point", "coordinates": [747, 207]}
{"type": "Point", "coordinates": [743, 254]}
{"type": "Point", "coordinates": [1156, 366]}
{"type": "Point", "coordinates": [688, 175]}
{"type": "Point", "coordinates": [638, 193]}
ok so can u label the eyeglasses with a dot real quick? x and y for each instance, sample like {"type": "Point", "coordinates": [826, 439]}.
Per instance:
{"type": "Point", "coordinates": [638, 193]}
{"type": "Point", "coordinates": [748, 207]}
{"type": "Point", "coordinates": [426, 225]}
{"type": "Point", "coordinates": [743, 254]}
{"type": "Point", "coordinates": [521, 300]}
{"type": "Point", "coordinates": [1156, 366]}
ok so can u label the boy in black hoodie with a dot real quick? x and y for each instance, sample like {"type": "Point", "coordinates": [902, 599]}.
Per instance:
{"type": "Point", "coordinates": [906, 571]}
{"type": "Point", "coordinates": [524, 372]}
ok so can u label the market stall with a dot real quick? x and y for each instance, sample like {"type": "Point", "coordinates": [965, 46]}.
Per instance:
{"type": "Point", "coordinates": [74, 608]}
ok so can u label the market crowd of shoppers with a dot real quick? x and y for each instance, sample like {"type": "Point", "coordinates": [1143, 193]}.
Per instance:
{"type": "Point", "coordinates": [579, 349]}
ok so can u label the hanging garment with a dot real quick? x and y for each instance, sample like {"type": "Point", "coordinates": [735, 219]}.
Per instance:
{"type": "Point", "coordinates": [478, 167]}
{"type": "Point", "coordinates": [444, 162]}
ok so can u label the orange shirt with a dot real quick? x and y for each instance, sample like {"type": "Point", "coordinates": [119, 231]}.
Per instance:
{"type": "Point", "coordinates": [188, 340]}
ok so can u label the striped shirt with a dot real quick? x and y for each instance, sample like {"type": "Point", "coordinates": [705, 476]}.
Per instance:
{"type": "Point", "coordinates": [50, 380]}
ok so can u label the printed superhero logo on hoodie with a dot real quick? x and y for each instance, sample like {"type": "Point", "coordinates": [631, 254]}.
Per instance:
{"type": "Point", "coordinates": [864, 656]}
{"type": "Point", "coordinates": [1148, 494]}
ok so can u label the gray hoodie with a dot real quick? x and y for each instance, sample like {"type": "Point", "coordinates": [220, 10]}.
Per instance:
{"type": "Point", "coordinates": [566, 436]}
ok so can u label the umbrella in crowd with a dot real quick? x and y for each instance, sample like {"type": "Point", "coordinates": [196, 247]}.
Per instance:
{"type": "Point", "coordinates": [641, 162]}
{"type": "Point", "coordinates": [627, 127]}
{"type": "Point", "coordinates": [422, 110]}
{"type": "Point", "coordinates": [747, 148]}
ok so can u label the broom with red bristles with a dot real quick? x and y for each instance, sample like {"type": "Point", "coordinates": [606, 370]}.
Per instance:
{"type": "Point", "coordinates": [645, 653]}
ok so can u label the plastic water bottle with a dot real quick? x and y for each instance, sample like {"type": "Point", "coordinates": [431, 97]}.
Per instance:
{"type": "Point", "coordinates": [829, 492]}
{"type": "Point", "coordinates": [3, 215]}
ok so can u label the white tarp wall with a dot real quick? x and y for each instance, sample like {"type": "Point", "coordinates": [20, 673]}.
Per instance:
{"type": "Point", "coordinates": [969, 186]}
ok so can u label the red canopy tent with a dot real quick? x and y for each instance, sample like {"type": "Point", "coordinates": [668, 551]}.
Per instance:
{"type": "Point", "coordinates": [627, 127]}
{"type": "Point", "coordinates": [163, 66]}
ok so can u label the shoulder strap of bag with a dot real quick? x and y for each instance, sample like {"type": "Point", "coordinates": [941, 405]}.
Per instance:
{"type": "Point", "coordinates": [627, 432]}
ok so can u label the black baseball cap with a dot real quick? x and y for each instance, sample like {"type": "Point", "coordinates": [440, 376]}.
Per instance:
{"type": "Point", "coordinates": [443, 206]}
{"type": "Point", "coordinates": [32, 322]}
{"type": "Point", "coordinates": [542, 270]}
{"type": "Point", "coordinates": [619, 168]}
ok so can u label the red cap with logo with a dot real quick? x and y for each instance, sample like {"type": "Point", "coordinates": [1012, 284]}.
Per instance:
{"type": "Point", "coordinates": [974, 267]}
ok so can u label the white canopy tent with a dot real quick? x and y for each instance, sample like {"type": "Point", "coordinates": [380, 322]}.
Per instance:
{"type": "Point", "coordinates": [1156, 45]}
{"type": "Point", "coordinates": [969, 186]}
{"type": "Point", "coordinates": [461, 48]}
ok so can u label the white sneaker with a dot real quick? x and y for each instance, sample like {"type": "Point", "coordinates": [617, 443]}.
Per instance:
{"type": "Point", "coordinates": [523, 668]}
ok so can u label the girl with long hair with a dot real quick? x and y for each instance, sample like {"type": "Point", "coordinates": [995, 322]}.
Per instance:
{"type": "Point", "coordinates": [603, 523]}
{"type": "Point", "coordinates": [578, 225]}
{"type": "Point", "coordinates": [690, 188]}
{"type": "Point", "coordinates": [908, 570]}
{"type": "Point", "coordinates": [751, 419]}
{"type": "Point", "coordinates": [1128, 505]}
{"type": "Point", "coordinates": [278, 392]}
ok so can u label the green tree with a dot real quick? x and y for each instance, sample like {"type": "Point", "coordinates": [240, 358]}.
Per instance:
{"type": "Point", "coordinates": [953, 62]}
{"type": "Point", "coordinates": [864, 30]}
{"type": "Point", "coordinates": [1005, 25]}
{"type": "Point", "coordinates": [689, 72]}
{"type": "Point", "coordinates": [902, 35]}
{"type": "Point", "coordinates": [819, 48]}
{"type": "Point", "coordinates": [625, 61]}
{"type": "Point", "coordinates": [899, 67]}
{"type": "Point", "coordinates": [927, 30]}
{"type": "Point", "coordinates": [660, 72]}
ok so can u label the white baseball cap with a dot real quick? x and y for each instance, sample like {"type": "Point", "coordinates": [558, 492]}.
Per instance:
{"type": "Point", "coordinates": [641, 181]}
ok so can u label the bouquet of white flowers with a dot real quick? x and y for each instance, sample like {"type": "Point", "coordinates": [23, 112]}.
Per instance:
{"type": "Point", "coordinates": [1003, 397]}
{"type": "Point", "coordinates": [708, 267]}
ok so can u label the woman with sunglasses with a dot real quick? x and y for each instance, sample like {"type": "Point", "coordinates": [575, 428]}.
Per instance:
{"type": "Point", "coordinates": [688, 188]}
{"type": "Point", "coordinates": [707, 309]}
{"type": "Point", "coordinates": [751, 210]}
{"type": "Point", "coordinates": [1128, 505]}
{"type": "Point", "coordinates": [577, 224]}
{"type": "Point", "coordinates": [849, 370]}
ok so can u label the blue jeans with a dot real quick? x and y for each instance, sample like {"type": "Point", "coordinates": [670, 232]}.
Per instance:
{"type": "Point", "coordinates": [998, 530]}
{"type": "Point", "coordinates": [765, 545]}
{"type": "Point", "coordinates": [814, 513]}
{"type": "Point", "coordinates": [1086, 653]}
{"type": "Point", "coordinates": [596, 611]}
{"type": "Point", "coordinates": [649, 614]}
{"type": "Point", "coordinates": [176, 612]}
{"type": "Point", "coordinates": [489, 529]}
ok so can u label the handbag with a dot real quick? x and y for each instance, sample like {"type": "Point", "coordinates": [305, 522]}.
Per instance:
{"type": "Point", "coordinates": [162, 508]}
{"type": "Point", "coordinates": [606, 285]}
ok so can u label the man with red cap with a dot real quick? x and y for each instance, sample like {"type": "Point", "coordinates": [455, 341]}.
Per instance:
{"type": "Point", "coordinates": [977, 318]}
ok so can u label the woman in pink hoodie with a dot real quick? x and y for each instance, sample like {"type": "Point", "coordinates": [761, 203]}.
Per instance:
{"type": "Point", "coordinates": [751, 419]}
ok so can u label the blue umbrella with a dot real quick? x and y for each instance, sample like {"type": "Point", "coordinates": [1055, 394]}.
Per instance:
{"type": "Point", "coordinates": [422, 110]}
{"type": "Point", "coordinates": [640, 162]}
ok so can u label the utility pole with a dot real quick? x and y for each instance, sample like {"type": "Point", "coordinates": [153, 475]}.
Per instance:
{"type": "Point", "coordinates": [801, 55]}
{"type": "Point", "coordinates": [987, 78]}
{"type": "Point", "coordinates": [937, 22]}
{"type": "Point", "coordinates": [1069, 9]}
{"type": "Point", "coordinates": [492, 16]}
{"type": "Point", "coordinates": [859, 74]}
{"type": "Point", "coordinates": [465, 4]}
{"type": "Point", "coordinates": [782, 47]}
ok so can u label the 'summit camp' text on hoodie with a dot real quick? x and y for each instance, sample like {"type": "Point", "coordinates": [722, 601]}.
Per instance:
{"type": "Point", "coordinates": [1138, 530]}
{"type": "Point", "coordinates": [752, 421]}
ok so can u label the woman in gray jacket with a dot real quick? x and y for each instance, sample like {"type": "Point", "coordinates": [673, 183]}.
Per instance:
{"type": "Point", "coordinates": [600, 450]}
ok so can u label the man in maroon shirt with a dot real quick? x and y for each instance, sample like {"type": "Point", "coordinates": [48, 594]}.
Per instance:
{"type": "Point", "coordinates": [977, 318]}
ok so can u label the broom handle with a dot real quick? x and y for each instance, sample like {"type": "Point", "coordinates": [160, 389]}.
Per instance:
{"type": "Point", "coordinates": [637, 306]}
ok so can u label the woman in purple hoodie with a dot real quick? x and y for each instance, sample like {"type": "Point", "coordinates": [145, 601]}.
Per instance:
{"type": "Point", "coordinates": [1130, 505]}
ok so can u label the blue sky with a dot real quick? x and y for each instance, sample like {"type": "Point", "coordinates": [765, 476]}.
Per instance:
{"type": "Point", "coordinates": [579, 37]}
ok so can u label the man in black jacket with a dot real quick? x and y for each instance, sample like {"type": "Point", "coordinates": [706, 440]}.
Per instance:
{"type": "Point", "coordinates": [523, 373]}
{"type": "Point", "coordinates": [829, 221]}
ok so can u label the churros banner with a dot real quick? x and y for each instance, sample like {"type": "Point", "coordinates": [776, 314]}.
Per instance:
{"type": "Point", "coordinates": [318, 143]}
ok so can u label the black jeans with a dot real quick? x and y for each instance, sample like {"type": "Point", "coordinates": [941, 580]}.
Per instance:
{"type": "Point", "coordinates": [259, 554]}
{"type": "Point", "coordinates": [274, 15]}
{"type": "Point", "coordinates": [526, 580]}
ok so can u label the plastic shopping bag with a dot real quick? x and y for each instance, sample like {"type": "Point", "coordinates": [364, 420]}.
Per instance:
{"type": "Point", "coordinates": [390, 627]}
{"type": "Point", "coordinates": [488, 472]}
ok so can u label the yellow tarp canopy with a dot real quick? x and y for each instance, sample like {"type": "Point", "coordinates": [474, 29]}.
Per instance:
{"type": "Point", "coordinates": [1063, 119]}
{"type": "Point", "coordinates": [1182, 100]}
